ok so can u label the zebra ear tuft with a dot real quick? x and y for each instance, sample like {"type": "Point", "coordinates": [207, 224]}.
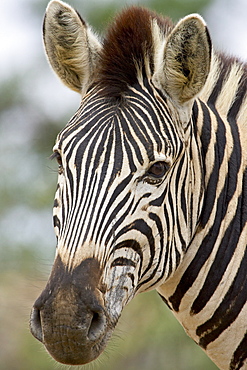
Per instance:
{"type": "Point", "coordinates": [186, 61]}
{"type": "Point", "coordinates": [71, 47]}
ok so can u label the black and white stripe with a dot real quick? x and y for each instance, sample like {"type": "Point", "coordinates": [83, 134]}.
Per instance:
{"type": "Point", "coordinates": [183, 231]}
{"type": "Point", "coordinates": [198, 207]}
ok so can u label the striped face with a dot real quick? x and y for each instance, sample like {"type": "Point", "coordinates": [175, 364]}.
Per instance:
{"type": "Point", "coordinates": [130, 184]}
{"type": "Point", "coordinates": [122, 188]}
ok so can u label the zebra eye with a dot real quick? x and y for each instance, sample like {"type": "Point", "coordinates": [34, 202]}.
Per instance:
{"type": "Point", "coordinates": [158, 169]}
{"type": "Point", "coordinates": [59, 160]}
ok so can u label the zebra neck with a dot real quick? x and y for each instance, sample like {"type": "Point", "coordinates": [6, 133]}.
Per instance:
{"type": "Point", "coordinates": [207, 293]}
{"type": "Point", "coordinates": [225, 88]}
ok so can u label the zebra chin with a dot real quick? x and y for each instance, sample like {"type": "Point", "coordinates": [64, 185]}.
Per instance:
{"type": "Point", "coordinates": [70, 317]}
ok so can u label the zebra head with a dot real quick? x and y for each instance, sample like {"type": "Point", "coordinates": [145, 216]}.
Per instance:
{"type": "Point", "coordinates": [128, 194]}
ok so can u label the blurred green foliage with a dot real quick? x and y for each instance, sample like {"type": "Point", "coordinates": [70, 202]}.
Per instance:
{"type": "Point", "coordinates": [175, 9]}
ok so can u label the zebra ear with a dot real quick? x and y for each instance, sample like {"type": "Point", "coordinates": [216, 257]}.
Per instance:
{"type": "Point", "coordinates": [71, 47]}
{"type": "Point", "coordinates": [185, 63]}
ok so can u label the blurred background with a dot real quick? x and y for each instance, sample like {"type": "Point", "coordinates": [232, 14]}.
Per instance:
{"type": "Point", "coordinates": [34, 106]}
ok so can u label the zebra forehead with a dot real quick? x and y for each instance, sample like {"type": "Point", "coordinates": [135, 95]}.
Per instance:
{"type": "Point", "coordinates": [99, 123]}
{"type": "Point", "coordinates": [129, 43]}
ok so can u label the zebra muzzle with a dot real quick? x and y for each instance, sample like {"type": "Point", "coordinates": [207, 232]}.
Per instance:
{"type": "Point", "coordinates": [69, 317]}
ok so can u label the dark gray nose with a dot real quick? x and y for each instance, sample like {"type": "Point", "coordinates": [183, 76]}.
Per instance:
{"type": "Point", "coordinates": [69, 316]}
{"type": "Point", "coordinates": [93, 327]}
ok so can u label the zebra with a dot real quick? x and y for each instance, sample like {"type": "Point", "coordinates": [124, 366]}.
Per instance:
{"type": "Point", "coordinates": [152, 184]}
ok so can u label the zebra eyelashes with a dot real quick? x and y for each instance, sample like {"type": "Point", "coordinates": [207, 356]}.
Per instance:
{"type": "Point", "coordinates": [56, 155]}
{"type": "Point", "coordinates": [156, 173]}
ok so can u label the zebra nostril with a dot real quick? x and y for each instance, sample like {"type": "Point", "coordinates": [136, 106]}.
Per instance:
{"type": "Point", "coordinates": [97, 326]}
{"type": "Point", "coordinates": [35, 324]}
